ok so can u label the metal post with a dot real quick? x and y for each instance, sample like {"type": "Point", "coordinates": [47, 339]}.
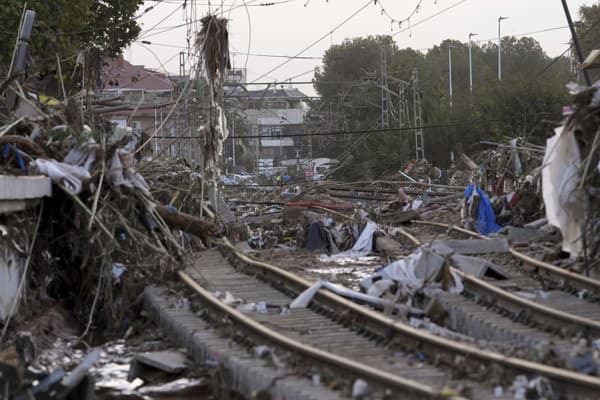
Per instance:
{"type": "Point", "coordinates": [181, 63]}
{"type": "Point", "coordinates": [233, 141]}
{"type": "Point", "coordinates": [450, 73]}
{"type": "Point", "coordinates": [21, 50]}
{"type": "Point", "coordinates": [576, 42]}
{"type": "Point", "coordinates": [470, 63]}
{"type": "Point", "coordinates": [499, 49]}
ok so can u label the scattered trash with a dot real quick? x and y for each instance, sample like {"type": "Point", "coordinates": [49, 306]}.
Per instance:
{"type": "Point", "coordinates": [362, 247]}
{"type": "Point", "coordinates": [360, 389]}
{"type": "Point", "coordinates": [565, 204]}
{"type": "Point", "coordinates": [498, 391]}
{"type": "Point", "coordinates": [144, 364]}
{"type": "Point", "coordinates": [262, 351]}
{"type": "Point", "coordinates": [585, 364]}
{"type": "Point", "coordinates": [421, 268]}
{"type": "Point", "coordinates": [305, 297]}
{"type": "Point", "coordinates": [536, 388]}
{"type": "Point", "coordinates": [479, 211]}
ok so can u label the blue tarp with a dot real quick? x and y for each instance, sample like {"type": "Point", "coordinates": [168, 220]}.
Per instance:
{"type": "Point", "coordinates": [486, 218]}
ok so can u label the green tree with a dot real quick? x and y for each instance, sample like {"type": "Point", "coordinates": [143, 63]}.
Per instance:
{"type": "Point", "coordinates": [351, 99]}
{"type": "Point", "coordinates": [66, 26]}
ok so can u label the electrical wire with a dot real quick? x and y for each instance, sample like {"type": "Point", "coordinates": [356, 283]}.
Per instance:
{"type": "Point", "coordinates": [430, 17]}
{"type": "Point", "coordinates": [584, 34]}
{"type": "Point", "coordinates": [523, 34]}
{"type": "Point", "coordinates": [142, 35]}
{"type": "Point", "coordinates": [359, 132]}
{"type": "Point", "coordinates": [310, 46]}
{"type": "Point", "coordinates": [239, 53]}
{"type": "Point", "coordinates": [400, 21]}
{"type": "Point", "coordinates": [170, 28]}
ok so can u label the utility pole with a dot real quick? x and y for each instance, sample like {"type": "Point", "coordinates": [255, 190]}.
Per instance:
{"type": "Point", "coordinates": [385, 97]}
{"type": "Point", "coordinates": [181, 63]}
{"type": "Point", "coordinates": [471, 63]}
{"type": "Point", "coordinates": [576, 42]}
{"type": "Point", "coordinates": [419, 145]}
{"type": "Point", "coordinates": [499, 49]}
{"type": "Point", "coordinates": [450, 74]}
{"type": "Point", "coordinates": [233, 140]}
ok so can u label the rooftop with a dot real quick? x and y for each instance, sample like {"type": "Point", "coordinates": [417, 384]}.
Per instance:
{"type": "Point", "coordinates": [270, 94]}
{"type": "Point", "coordinates": [121, 74]}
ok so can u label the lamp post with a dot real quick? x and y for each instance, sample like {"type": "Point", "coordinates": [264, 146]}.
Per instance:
{"type": "Point", "coordinates": [470, 63]}
{"type": "Point", "coordinates": [450, 73]}
{"type": "Point", "coordinates": [499, 49]}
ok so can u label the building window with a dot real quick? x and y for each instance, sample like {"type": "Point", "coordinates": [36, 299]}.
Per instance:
{"type": "Point", "coordinates": [271, 131]}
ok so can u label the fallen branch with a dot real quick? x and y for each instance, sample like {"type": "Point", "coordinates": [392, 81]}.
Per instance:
{"type": "Point", "coordinates": [23, 141]}
{"type": "Point", "coordinates": [196, 226]}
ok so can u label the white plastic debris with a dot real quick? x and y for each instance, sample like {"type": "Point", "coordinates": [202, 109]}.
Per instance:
{"type": "Point", "coordinates": [421, 267]}
{"type": "Point", "coordinates": [498, 391]}
{"type": "Point", "coordinates": [360, 389]}
{"type": "Point", "coordinates": [565, 209]}
{"type": "Point", "coordinates": [316, 379]}
{"type": "Point", "coordinates": [229, 299]}
{"type": "Point", "coordinates": [519, 387]}
{"type": "Point", "coordinates": [117, 271]}
{"type": "Point", "coordinates": [305, 297]}
{"type": "Point", "coordinates": [380, 287]}
{"type": "Point", "coordinates": [69, 176]}
{"type": "Point", "coordinates": [262, 351]}
{"type": "Point", "coordinates": [261, 308]}
{"type": "Point", "coordinates": [121, 172]}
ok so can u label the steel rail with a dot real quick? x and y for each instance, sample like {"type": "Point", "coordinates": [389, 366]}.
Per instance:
{"type": "Point", "coordinates": [582, 282]}
{"type": "Point", "coordinates": [409, 336]}
{"type": "Point", "coordinates": [350, 366]}
{"type": "Point", "coordinates": [541, 314]}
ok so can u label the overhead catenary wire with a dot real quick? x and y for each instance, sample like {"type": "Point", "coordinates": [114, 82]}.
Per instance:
{"type": "Point", "coordinates": [320, 39]}
{"type": "Point", "coordinates": [399, 21]}
{"type": "Point", "coordinates": [430, 17]}
{"type": "Point", "coordinates": [159, 31]}
{"type": "Point", "coordinates": [144, 32]}
{"type": "Point", "coordinates": [584, 34]}
{"type": "Point", "coordinates": [357, 132]}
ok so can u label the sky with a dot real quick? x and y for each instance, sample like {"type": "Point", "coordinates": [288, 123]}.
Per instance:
{"type": "Point", "coordinates": [265, 28]}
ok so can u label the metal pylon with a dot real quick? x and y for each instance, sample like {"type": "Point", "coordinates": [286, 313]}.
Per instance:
{"type": "Point", "coordinates": [403, 116]}
{"type": "Point", "coordinates": [419, 144]}
{"type": "Point", "coordinates": [385, 96]}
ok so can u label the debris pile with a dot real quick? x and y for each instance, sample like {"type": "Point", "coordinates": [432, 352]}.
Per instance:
{"type": "Point", "coordinates": [102, 236]}
{"type": "Point", "coordinates": [571, 177]}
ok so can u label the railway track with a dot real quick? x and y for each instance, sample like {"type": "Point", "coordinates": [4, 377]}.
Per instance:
{"type": "Point", "coordinates": [358, 342]}
{"type": "Point", "coordinates": [558, 322]}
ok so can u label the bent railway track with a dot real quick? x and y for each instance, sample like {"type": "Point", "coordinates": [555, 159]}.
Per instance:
{"type": "Point", "coordinates": [359, 342]}
{"type": "Point", "coordinates": [571, 279]}
{"type": "Point", "coordinates": [569, 313]}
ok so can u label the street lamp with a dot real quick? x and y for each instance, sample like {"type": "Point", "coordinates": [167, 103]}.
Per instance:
{"type": "Point", "coordinates": [470, 63]}
{"type": "Point", "coordinates": [499, 51]}
{"type": "Point", "coordinates": [450, 72]}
